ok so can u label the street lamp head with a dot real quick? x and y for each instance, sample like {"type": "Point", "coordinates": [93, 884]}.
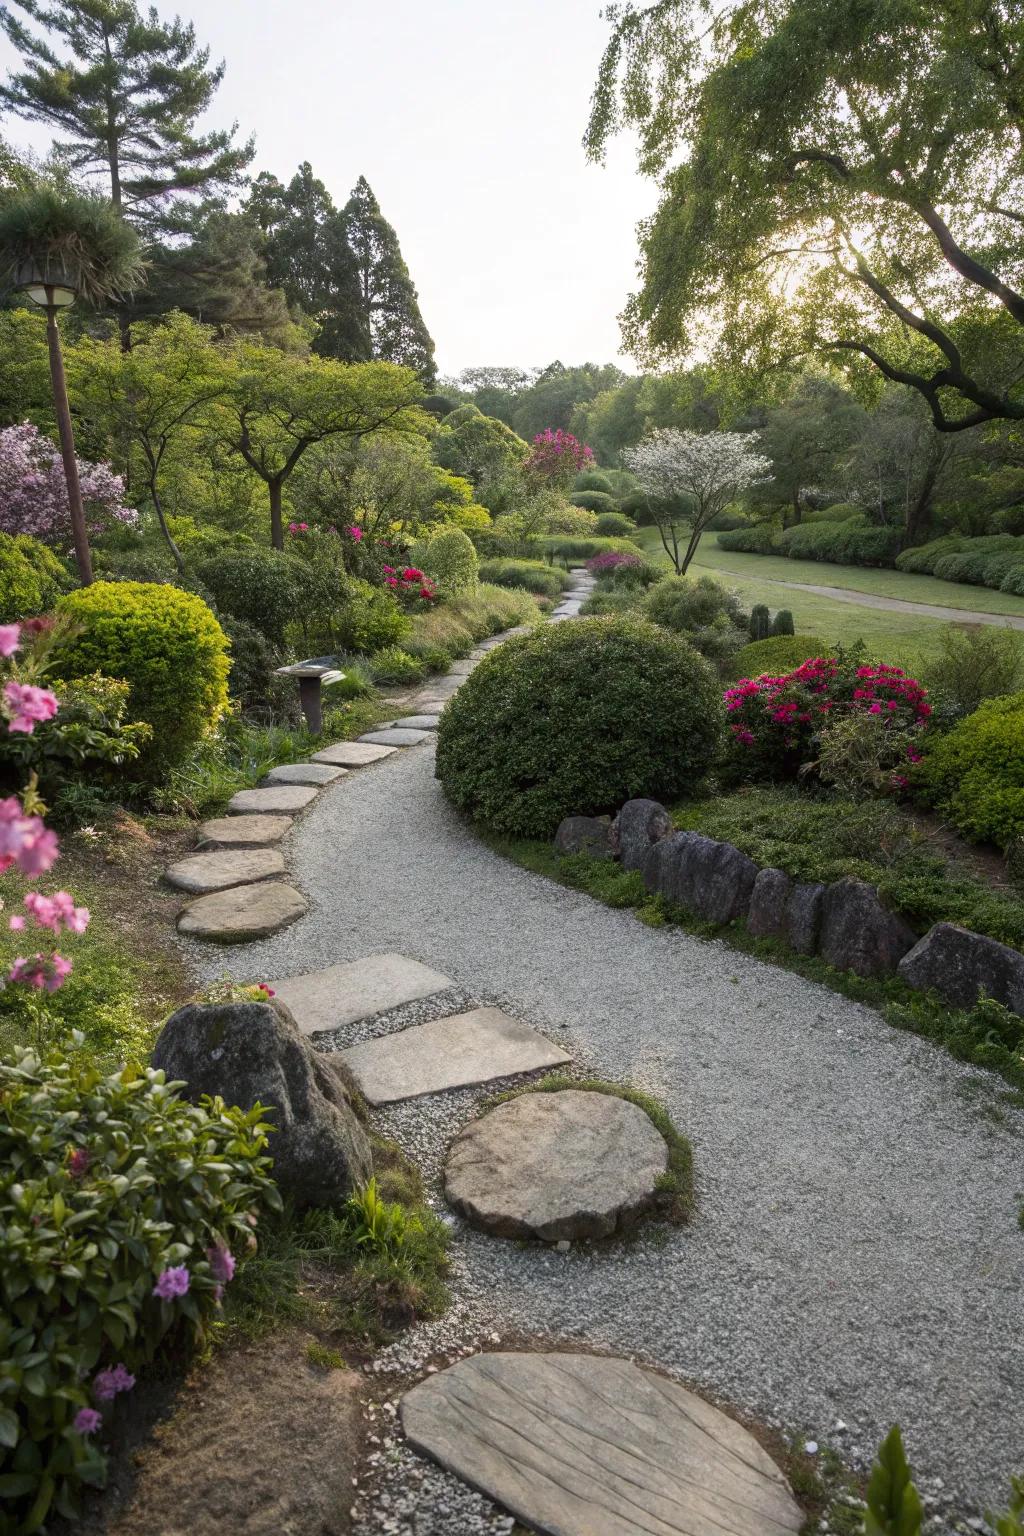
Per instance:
{"type": "Point", "coordinates": [46, 285]}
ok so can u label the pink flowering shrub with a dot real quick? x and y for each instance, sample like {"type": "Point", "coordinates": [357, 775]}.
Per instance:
{"type": "Point", "coordinates": [613, 560]}
{"type": "Point", "coordinates": [558, 457]}
{"type": "Point", "coordinates": [125, 1210]}
{"type": "Point", "coordinates": [34, 492]}
{"type": "Point", "coordinates": [775, 723]}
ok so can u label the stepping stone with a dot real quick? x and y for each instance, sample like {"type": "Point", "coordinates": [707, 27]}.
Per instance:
{"type": "Point", "coordinates": [352, 754]}
{"type": "Point", "coordinates": [394, 738]}
{"type": "Point", "coordinates": [244, 912]}
{"type": "Point", "coordinates": [272, 800]}
{"type": "Point", "coordinates": [556, 1165]}
{"type": "Point", "coordinates": [461, 668]}
{"type": "Point", "coordinates": [323, 1000]}
{"type": "Point", "coordinates": [419, 722]}
{"type": "Point", "coordinates": [304, 773]}
{"type": "Point", "coordinates": [576, 1445]}
{"type": "Point", "coordinates": [448, 1053]}
{"type": "Point", "coordinates": [244, 831]}
{"type": "Point", "coordinates": [218, 871]}
{"type": "Point", "coordinates": [429, 706]}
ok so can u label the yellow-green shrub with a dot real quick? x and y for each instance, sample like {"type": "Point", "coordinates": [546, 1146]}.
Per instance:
{"type": "Point", "coordinates": [974, 775]}
{"type": "Point", "coordinates": [31, 577]}
{"type": "Point", "coordinates": [450, 558]}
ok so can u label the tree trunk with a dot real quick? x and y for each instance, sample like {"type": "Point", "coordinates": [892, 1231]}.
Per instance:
{"type": "Point", "coordinates": [276, 520]}
{"type": "Point", "coordinates": [83, 559]}
{"type": "Point", "coordinates": [796, 508]}
{"type": "Point", "coordinates": [179, 559]}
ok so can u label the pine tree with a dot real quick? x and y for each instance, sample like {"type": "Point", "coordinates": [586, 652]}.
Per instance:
{"type": "Point", "coordinates": [388, 301]}
{"type": "Point", "coordinates": [125, 89]}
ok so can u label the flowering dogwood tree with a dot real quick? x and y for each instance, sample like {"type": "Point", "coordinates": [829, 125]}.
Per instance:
{"type": "Point", "coordinates": [34, 491]}
{"type": "Point", "coordinates": [690, 477]}
{"type": "Point", "coordinates": [558, 457]}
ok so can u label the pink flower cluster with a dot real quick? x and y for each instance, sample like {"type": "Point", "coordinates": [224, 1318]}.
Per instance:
{"type": "Point", "coordinates": [34, 493]}
{"type": "Point", "coordinates": [54, 912]}
{"type": "Point", "coordinates": [27, 705]}
{"type": "Point", "coordinates": [612, 560]}
{"type": "Point", "coordinates": [108, 1383]}
{"type": "Point", "coordinates": [558, 456]}
{"type": "Point", "coordinates": [410, 583]}
{"type": "Point", "coordinates": [44, 972]}
{"type": "Point", "coordinates": [298, 527]}
{"type": "Point", "coordinates": [25, 840]}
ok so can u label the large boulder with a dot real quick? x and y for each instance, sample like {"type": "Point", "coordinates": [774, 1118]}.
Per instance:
{"type": "Point", "coordinates": [783, 909]}
{"type": "Point", "coordinates": [959, 965]}
{"type": "Point", "coordinates": [253, 1051]}
{"type": "Point", "coordinates": [585, 834]}
{"type": "Point", "coordinates": [858, 933]}
{"type": "Point", "coordinates": [637, 828]}
{"type": "Point", "coordinates": [712, 880]}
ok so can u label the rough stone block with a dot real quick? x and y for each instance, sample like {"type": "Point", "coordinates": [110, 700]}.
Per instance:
{"type": "Point", "coordinates": [858, 933]}
{"type": "Point", "coordinates": [959, 965]}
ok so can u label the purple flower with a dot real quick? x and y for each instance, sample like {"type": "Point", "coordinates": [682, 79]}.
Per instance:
{"type": "Point", "coordinates": [87, 1421]}
{"type": "Point", "coordinates": [107, 1384]}
{"type": "Point", "coordinates": [222, 1263]}
{"type": "Point", "coordinates": [173, 1282]}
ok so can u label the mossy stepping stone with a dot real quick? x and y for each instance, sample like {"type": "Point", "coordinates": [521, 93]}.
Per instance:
{"type": "Point", "coordinates": [579, 1445]}
{"type": "Point", "coordinates": [243, 913]}
{"type": "Point", "coordinates": [244, 831]}
{"type": "Point", "coordinates": [304, 773]}
{"type": "Point", "coordinates": [218, 871]}
{"type": "Point", "coordinates": [570, 1164]}
{"type": "Point", "coordinates": [273, 800]}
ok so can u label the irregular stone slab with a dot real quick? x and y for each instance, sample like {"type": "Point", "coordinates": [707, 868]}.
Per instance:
{"type": "Point", "coordinates": [272, 800]}
{"type": "Point", "coordinates": [217, 871]}
{"type": "Point", "coordinates": [252, 1053]}
{"type": "Point", "coordinates": [352, 754]}
{"type": "Point", "coordinates": [958, 964]}
{"type": "Point", "coordinates": [584, 834]}
{"type": "Point", "coordinates": [769, 903]}
{"type": "Point", "coordinates": [429, 706]}
{"type": "Point", "coordinates": [858, 933]}
{"type": "Point", "coordinates": [448, 1053]}
{"type": "Point", "coordinates": [803, 917]}
{"type": "Point", "coordinates": [461, 668]}
{"type": "Point", "coordinates": [557, 1166]}
{"type": "Point", "coordinates": [638, 826]}
{"type": "Point", "coordinates": [242, 913]}
{"type": "Point", "coordinates": [418, 722]}
{"type": "Point", "coordinates": [244, 831]}
{"type": "Point", "coordinates": [711, 879]}
{"type": "Point", "coordinates": [342, 994]}
{"type": "Point", "coordinates": [394, 738]}
{"type": "Point", "coordinates": [575, 1445]}
{"type": "Point", "coordinates": [304, 773]}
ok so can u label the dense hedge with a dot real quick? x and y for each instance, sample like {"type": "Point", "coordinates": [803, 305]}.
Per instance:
{"type": "Point", "coordinates": [259, 586]}
{"type": "Point", "coordinates": [532, 575]}
{"type": "Point", "coordinates": [576, 719]}
{"type": "Point", "coordinates": [169, 648]}
{"type": "Point", "coordinates": [614, 525]}
{"type": "Point", "coordinates": [854, 542]}
{"type": "Point", "coordinates": [776, 655]}
{"type": "Point", "coordinates": [753, 539]}
{"type": "Point", "coordinates": [974, 775]}
{"type": "Point", "coordinates": [594, 501]}
{"type": "Point", "coordinates": [839, 512]}
{"type": "Point", "coordinates": [566, 548]}
{"type": "Point", "coordinates": [995, 560]}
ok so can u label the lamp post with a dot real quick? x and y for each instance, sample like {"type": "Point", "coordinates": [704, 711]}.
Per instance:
{"type": "Point", "coordinates": [52, 289]}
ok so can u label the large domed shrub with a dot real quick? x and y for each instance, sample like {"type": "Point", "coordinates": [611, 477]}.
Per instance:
{"type": "Point", "coordinates": [450, 558]}
{"type": "Point", "coordinates": [166, 644]}
{"type": "Point", "coordinates": [575, 719]}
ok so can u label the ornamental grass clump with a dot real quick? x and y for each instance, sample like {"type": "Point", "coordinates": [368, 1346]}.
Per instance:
{"type": "Point", "coordinates": [124, 1210]}
{"type": "Point", "coordinates": [575, 719]}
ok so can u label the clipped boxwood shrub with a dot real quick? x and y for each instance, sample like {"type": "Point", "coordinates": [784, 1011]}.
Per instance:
{"type": "Point", "coordinates": [980, 562]}
{"type": "Point", "coordinates": [839, 512]}
{"type": "Point", "coordinates": [974, 774]}
{"type": "Point", "coordinates": [261, 586]}
{"type": "Point", "coordinates": [702, 610]}
{"type": "Point", "coordinates": [593, 480]}
{"type": "Point", "coordinates": [531, 575]}
{"type": "Point", "coordinates": [168, 647]}
{"type": "Point", "coordinates": [614, 525]}
{"type": "Point", "coordinates": [106, 1183]}
{"type": "Point", "coordinates": [1013, 581]}
{"type": "Point", "coordinates": [854, 542]}
{"type": "Point", "coordinates": [755, 539]}
{"type": "Point", "coordinates": [921, 558]}
{"type": "Point", "coordinates": [31, 577]}
{"type": "Point", "coordinates": [775, 656]}
{"type": "Point", "coordinates": [575, 719]}
{"type": "Point", "coordinates": [594, 501]}
{"type": "Point", "coordinates": [450, 558]}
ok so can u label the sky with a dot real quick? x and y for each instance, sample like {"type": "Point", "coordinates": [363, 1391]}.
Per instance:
{"type": "Point", "coordinates": [467, 119]}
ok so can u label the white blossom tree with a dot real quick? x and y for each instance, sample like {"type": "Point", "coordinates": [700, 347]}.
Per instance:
{"type": "Point", "coordinates": [690, 477]}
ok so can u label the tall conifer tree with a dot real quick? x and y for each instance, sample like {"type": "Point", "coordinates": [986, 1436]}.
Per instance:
{"type": "Point", "coordinates": [389, 304]}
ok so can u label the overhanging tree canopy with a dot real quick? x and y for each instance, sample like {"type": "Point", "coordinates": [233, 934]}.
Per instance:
{"type": "Point", "coordinates": [845, 178]}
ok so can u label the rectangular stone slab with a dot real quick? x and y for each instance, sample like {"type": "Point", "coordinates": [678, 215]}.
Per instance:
{"type": "Point", "coordinates": [341, 994]}
{"type": "Point", "coordinates": [272, 800]}
{"type": "Point", "coordinates": [394, 738]}
{"type": "Point", "coordinates": [352, 754]}
{"type": "Point", "coordinates": [448, 1053]}
{"type": "Point", "coordinates": [243, 831]}
{"type": "Point", "coordinates": [304, 773]}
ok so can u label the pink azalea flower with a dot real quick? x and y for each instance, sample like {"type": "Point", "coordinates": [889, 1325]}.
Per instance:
{"type": "Point", "coordinates": [10, 639]}
{"type": "Point", "coordinates": [107, 1384]}
{"type": "Point", "coordinates": [87, 1421]}
{"type": "Point", "coordinates": [16, 923]}
{"type": "Point", "coordinates": [28, 706]}
{"type": "Point", "coordinates": [222, 1263]}
{"type": "Point", "coordinates": [172, 1282]}
{"type": "Point", "coordinates": [355, 532]}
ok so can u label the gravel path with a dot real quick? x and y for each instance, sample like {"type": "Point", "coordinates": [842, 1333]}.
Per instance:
{"type": "Point", "coordinates": [856, 1255]}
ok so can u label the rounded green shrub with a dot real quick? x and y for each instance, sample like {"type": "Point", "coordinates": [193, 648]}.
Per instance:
{"type": "Point", "coordinates": [571, 520]}
{"type": "Point", "coordinates": [702, 610]}
{"type": "Point", "coordinates": [755, 539]}
{"type": "Point", "coordinates": [450, 558]}
{"type": "Point", "coordinates": [575, 719]}
{"type": "Point", "coordinates": [614, 525]}
{"type": "Point", "coordinates": [593, 480]}
{"type": "Point", "coordinates": [531, 575]}
{"type": "Point", "coordinates": [367, 619]}
{"type": "Point", "coordinates": [974, 774]}
{"type": "Point", "coordinates": [1013, 581]}
{"type": "Point", "coordinates": [775, 656]}
{"type": "Point", "coordinates": [782, 624]}
{"type": "Point", "coordinates": [254, 661]}
{"type": "Point", "coordinates": [921, 558]}
{"type": "Point", "coordinates": [594, 501]}
{"type": "Point", "coordinates": [31, 577]}
{"type": "Point", "coordinates": [106, 1182]}
{"type": "Point", "coordinates": [260, 586]}
{"type": "Point", "coordinates": [168, 647]}
{"type": "Point", "coordinates": [760, 626]}
{"type": "Point", "coordinates": [839, 512]}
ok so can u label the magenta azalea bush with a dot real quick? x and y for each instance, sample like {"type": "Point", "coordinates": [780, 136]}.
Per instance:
{"type": "Point", "coordinates": [776, 722]}
{"type": "Point", "coordinates": [34, 492]}
{"type": "Point", "coordinates": [558, 457]}
{"type": "Point", "coordinates": [613, 560]}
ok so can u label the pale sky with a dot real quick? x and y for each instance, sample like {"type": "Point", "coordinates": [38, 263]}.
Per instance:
{"type": "Point", "coordinates": [466, 118]}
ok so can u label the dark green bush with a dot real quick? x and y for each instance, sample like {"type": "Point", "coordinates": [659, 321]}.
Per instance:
{"type": "Point", "coordinates": [760, 626]}
{"type": "Point", "coordinates": [576, 719]}
{"type": "Point", "coordinates": [854, 542]}
{"type": "Point", "coordinates": [133, 565]}
{"type": "Point", "coordinates": [969, 666]}
{"type": "Point", "coordinates": [1013, 581]}
{"type": "Point", "coordinates": [169, 648]}
{"type": "Point", "coordinates": [614, 525]}
{"type": "Point", "coordinates": [839, 512]}
{"type": "Point", "coordinates": [921, 558]}
{"type": "Point", "coordinates": [775, 656]}
{"type": "Point", "coordinates": [974, 774]}
{"type": "Point", "coordinates": [260, 586]}
{"type": "Point", "coordinates": [594, 501]}
{"type": "Point", "coordinates": [105, 1183]}
{"type": "Point", "coordinates": [782, 624]}
{"type": "Point", "coordinates": [531, 575]}
{"type": "Point", "coordinates": [704, 611]}
{"type": "Point", "coordinates": [593, 480]}
{"type": "Point", "coordinates": [254, 660]}
{"type": "Point", "coordinates": [982, 563]}
{"type": "Point", "coordinates": [753, 539]}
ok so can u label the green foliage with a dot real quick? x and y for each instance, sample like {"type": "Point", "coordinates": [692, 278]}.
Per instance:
{"type": "Point", "coordinates": [971, 665]}
{"type": "Point", "coordinates": [254, 660]}
{"type": "Point", "coordinates": [614, 525]}
{"type": "Point", "coordinates": [993, 560]}
{"type": "Point", "coordinates": [391, 666]}
{"type": "Point", "coordinates": [1012, 1523]}
{"type": "Point", "coordinates": [90, 738]}
{"type": "Point", "coordinates": [336, 611]}
{"type": "Point", "coordinates": [593, 480]}
{"type": "Point", "coordinates": [783, 624]}
{"type": "Point", "coordinates": [570, 519]}
{"type": "Point", "coordinates": [260, 586]}
{"type": "Point", "coordinates": [169, 648]}
{"type": "Point", "coordinates": [922, 558]}
{"type": "Point", "coordinates": [73, 233]}
{"type": "Point", "coordinates": [894, 1508]}
{"type": "Point", "coordinates": [369, 620]}
{"type": "Point", "coordinates": [450, 558]}
{"type": "Point", "coordinates": [839, 512]}
{"type": "Point", "coordinates": [753, 539]}
{"type": "Point", "coordinates": [580, 549]}
{"type": "Point", "coordinates": [31, 577]}
{"type": "Point", "coordinates": [854, 542]}
{"type": "Point", "coordinates": [530, 575]}
{"type": "Point", "coordinates": [442, 633]}
{"type": "Point", "coordinates": [594, 501]}
{"type": "Point", "coordinates": [700, 609]}
{"type": "Point", "coordinates": [577, 719]}
{"type": "Point", "coordinates": [775, 656]}
{"type": "Point", "coordinates": [106, 1182]}
{"type": "Point", "coordinates": [760, 626]}
{"type": "Point", "coordinates": [974, 775]}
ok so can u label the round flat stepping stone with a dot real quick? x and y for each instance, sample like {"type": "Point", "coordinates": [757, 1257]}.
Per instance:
{"type": "Point", "coordinates": [394, 738]}
{"type": "Point", "coordinates": [218, 871]}
{"type": "Point", "coordinates": [342, 994]}
{"type": "Point", "coordinates": [304, 773]}
{"type": "Point", "coordinates": [244, 831]}
{"type": "Point", "coordinates": [418, 722]}
{"type": "Point", "coordinates": [352, 754]}
{"type": "Point", "coordinates": [574, 1445]}
{"type": "Point", "coordinates": [466, 1048]}
{"type": "Point", "coordinates": [272, 800]}
{"type": "Point", "coordinates": [244, 912]}
{"type": "Point", "coordinates": [556, 1165]}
